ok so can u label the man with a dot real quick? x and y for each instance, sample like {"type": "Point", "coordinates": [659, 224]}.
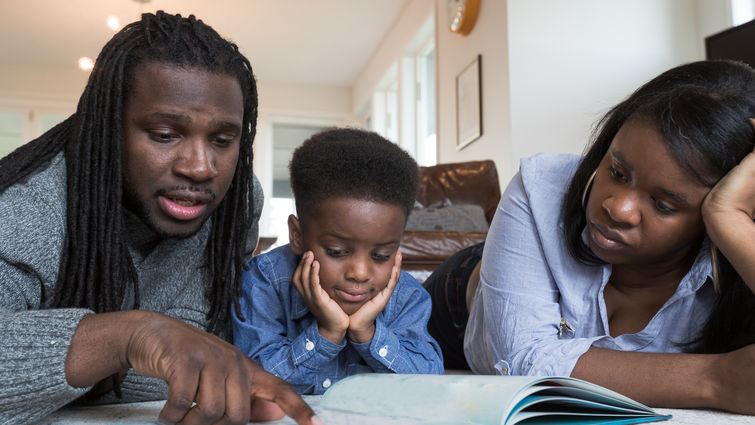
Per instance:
{"type": "Point", "coordinates": [127, 224]}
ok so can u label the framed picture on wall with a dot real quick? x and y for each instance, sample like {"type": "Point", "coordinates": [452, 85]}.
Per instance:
{"type": "Point", "coordinates": [469, 104]}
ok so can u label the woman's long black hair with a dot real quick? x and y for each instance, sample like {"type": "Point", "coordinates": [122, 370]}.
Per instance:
{"type": "Point", "coordinates": [702, 110]}
{"type": "Point", "coordinates": [96, 270]}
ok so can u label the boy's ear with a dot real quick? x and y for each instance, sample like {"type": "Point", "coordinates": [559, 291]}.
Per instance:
{"type": "Point", "coordinates": [294, 235]}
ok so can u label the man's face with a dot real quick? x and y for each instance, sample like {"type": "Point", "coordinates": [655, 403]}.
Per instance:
{"type": "Point", "coordinates": [181, 143]}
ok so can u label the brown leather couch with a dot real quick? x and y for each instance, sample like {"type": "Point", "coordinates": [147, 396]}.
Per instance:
{"type": "Point", "coordinates": [472, 182]}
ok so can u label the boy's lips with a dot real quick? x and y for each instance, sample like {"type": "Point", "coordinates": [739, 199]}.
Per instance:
{"type": "Point", "coordinates": [352, 295]}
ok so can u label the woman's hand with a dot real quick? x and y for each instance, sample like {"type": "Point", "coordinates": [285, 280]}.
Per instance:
{"type": "Point", "coordinates": [362, 322]}
{"type": "Point", "coordinates": [331, 319]}
{"type": "Point", "coordinates": [728, 212]}
{"type": "Point", "coordinates": [735, 373]}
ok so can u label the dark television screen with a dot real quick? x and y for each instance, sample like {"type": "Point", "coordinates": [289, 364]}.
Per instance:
{"type": "Point", "coordinates": [735, 43]}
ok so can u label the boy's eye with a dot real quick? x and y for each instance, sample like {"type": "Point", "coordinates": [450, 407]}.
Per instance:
{"type": "Point", "coordinates": [335, 252]}
{"type": "Point", "coordinates": [380, 257]}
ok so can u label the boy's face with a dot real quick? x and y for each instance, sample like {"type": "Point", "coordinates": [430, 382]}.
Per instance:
{"type": "Point", "coordinates": [182, 129]}
{"type": "Point", "coordinates": [355, 242]}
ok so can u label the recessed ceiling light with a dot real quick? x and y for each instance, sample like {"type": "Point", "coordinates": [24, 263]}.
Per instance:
{"type": "Point", "coordinates": [85, 63]}
{"type": "Point", "coordinates": [113, 23]}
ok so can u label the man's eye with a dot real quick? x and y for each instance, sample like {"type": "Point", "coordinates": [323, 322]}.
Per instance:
{"type": "Point", "coordinates": [224, 141]}
{"type": "Point", "coordinates": [163, 137]}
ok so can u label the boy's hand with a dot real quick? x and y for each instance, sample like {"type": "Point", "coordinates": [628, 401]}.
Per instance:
{"type": "Point", "coordinates": [362, 322]}
{"type": "Point", "coordinates": [331, 319]}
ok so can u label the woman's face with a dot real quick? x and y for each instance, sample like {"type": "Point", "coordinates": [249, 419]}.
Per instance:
{"type": "Point", "coordinates": [643, 208]}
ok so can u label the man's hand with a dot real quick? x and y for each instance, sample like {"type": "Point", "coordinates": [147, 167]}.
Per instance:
{"type": "Point", "coordinates": [331, 319]}
{"type": "Point", "coordinates": [210, 381]}
{"type": "Point", "coordinates": [362, 322]}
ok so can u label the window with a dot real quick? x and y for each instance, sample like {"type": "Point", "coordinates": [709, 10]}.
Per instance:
{"type": "Point", "coordinates": [427, 145]}
{"type": "Point", "coordinates": [19, 125]}
{"type": "Point", "coordinates": [742, 11]}
{"type": "Point", "coordinates": [286, 138]}
{"type": "Point", "coordinates": [403, 107]}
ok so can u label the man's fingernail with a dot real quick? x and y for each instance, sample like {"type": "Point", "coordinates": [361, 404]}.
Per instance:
{"type": "Point", "coordinates": [316, 420]}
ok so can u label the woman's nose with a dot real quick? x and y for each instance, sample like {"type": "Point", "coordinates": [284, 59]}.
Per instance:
{"type": "Point", "coordinates": [623, 208]}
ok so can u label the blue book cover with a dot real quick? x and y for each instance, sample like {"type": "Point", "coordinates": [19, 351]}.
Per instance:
{"type": "Point", "coordinates": [485, 400]}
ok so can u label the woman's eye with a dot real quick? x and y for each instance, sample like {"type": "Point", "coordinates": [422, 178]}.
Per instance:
{"type": "Point", "coordinates": [662, 208]}
{"type": "Point", "coordinates": [616, 174]}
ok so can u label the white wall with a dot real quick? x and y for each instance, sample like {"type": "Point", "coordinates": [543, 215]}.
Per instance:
{"type": "Point", "coordinates": [572, 61]}
{"type": "Point", "coordinates": [489, 39]}
{"type": "Point", "coordinates": [550, 68]}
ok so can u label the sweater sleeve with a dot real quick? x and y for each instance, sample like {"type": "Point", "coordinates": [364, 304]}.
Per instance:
{"type": "Point", "coordinates": [35, 340]}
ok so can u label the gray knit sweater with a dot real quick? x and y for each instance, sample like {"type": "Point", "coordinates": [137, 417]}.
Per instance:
{"type": "Point", "coordinates": [34, 338]}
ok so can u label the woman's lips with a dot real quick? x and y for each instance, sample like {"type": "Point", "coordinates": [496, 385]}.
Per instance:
{"type": "Point", "coordinates": [606, 238]}
{"type": "Point", "coordinates": [352, 295]}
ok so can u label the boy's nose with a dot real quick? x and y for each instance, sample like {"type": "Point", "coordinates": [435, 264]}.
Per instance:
{"type": "Point", "coordinates": [358, 271]}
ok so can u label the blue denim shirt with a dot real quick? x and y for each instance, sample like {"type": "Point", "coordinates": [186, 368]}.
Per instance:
{"type": "Point", "coordinates": [537, 309]}
{"type": "Point", "coordinates": [281, 334]}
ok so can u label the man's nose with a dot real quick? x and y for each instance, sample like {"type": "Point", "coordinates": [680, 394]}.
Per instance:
{"type": "Point", "coordinates": [195, 160]}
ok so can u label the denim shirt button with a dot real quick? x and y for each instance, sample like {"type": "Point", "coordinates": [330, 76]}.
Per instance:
{"type": "Point", "coordinates": [309, 345]}
{"type": "Point", "coordinates": [383, 352]}
{"type": "Point", "coordinates": [326, 383]}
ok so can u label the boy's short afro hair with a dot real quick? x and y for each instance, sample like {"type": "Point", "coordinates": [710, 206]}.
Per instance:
{"type": "Point", "coordinates": [352, 163]}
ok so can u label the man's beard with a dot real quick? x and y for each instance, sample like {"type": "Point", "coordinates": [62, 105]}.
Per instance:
{"type": "Point", "coordinates": [145, 216]}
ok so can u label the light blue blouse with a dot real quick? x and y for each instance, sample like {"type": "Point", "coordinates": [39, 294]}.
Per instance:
{"type": "Point", "coordinates": [538, 309]}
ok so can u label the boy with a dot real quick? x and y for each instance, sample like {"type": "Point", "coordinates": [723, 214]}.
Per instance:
{"type": "Point", "coordinates": [334, 302]}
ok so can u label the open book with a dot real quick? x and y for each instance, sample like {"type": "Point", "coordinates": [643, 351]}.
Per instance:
{"type": "Point", "coordinates": [485, 400]}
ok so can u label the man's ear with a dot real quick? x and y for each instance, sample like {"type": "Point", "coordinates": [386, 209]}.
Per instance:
{"type": "Point", "coordinates": [294, 235]}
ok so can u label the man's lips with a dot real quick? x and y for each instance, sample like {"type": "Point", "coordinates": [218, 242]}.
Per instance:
{"type": "Point", "coordinates": [606, 237]}
{"type": "Point", "coordinates": [352, 295]}
{"type": "Point", "coordinates": [184, 204]}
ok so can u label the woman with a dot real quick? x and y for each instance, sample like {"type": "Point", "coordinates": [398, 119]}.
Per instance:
{"type": "Point", "coordinates": [610, 278]}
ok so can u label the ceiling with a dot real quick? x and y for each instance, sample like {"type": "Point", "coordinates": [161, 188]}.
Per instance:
{"type": "Point", "coordinates": [322, 42]}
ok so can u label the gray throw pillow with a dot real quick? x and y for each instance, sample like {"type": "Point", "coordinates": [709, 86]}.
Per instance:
{"type": "Point", "coordinates": [456, 218]}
